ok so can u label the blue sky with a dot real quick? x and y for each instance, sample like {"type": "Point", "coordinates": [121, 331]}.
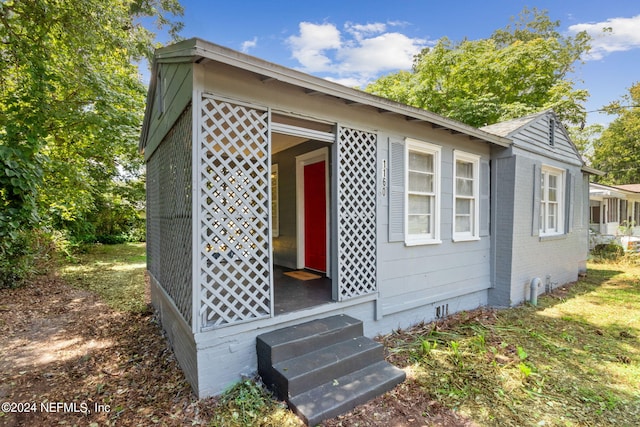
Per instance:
{"type": "Point", "coordinates": [353, 42]}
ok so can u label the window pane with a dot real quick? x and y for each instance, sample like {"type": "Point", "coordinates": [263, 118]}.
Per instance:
{"type": "Point", "coordinates": [553, 195]}
{"type": "Point", "coordinates": [464, 187]}
{"type": "Point", "coordinates": [420, 182]}
{"type": "Point", "coordinates": [419, 224]}
{"type": "Point", "coordinates": [419, 204]}
{"type": "Point", "coordinates": [463, 224]}
{"type": "Point", "coordinates": [420, 161]}
{"type": "Point", "coordinates": [463, 206]}
{"type": "Point", "coordinates": [552, 214]}
{"type": "Point", "coordinates": [464, 169]}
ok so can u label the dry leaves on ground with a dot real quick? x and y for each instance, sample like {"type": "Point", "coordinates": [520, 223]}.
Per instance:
{"type": "Point", "coordinates": [82, 363]}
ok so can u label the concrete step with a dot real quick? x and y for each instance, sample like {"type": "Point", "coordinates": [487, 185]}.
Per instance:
{"type": "Point", "coordinates": [287, 343]}
{"type": "Point", "coordinates": [345, 393]}
{"type": "Point", "coordinates": [324, 367]}
{"type": "Point", "coordinates": [299, 374]}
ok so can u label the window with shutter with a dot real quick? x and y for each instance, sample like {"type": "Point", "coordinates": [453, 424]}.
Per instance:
{"type": "Point", "coordinates": [422, 193]}
{"type": "Point", "coordinates": [552, 201]}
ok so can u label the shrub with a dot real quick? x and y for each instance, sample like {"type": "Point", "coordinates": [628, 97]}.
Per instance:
{"type": "Point", "coordinates": [23, 254]}
{"type": "Point", "coordinates": [608, 251]}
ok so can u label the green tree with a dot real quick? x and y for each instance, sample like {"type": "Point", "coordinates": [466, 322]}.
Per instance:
{"type": "Point", "coordinates": [617, 152]}
{"type": "Point", "coordinates": [585, 138]}
{"type": "Point", "coordinates": [521, 69]}
{"type": "Point", "coordinates": [71, 103]}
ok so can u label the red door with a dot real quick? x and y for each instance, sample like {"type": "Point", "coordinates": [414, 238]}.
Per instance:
{"type": "Point", "coordinates": [315, 220]}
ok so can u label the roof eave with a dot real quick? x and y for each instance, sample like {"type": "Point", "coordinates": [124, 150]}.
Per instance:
{"type": "Point", "coordinates": [592, 171]}
{"type": "Point", "coordinates": [198, 50]}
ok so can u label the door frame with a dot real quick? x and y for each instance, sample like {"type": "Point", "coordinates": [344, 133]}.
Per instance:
{"type": "Point", "coordinates": [319, 155]}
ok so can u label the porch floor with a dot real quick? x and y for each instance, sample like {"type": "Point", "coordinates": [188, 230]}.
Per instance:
{"type": "Point", "coordinates": [291, 294]}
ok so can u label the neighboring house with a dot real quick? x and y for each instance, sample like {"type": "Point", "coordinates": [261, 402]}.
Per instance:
{"type": "Point", "coordinates": [254, 169]}
{"type": "Point", "coordinates": [615, 213]}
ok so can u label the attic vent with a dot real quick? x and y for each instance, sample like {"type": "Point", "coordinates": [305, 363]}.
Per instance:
{"type": "Point", "coordinates": [159, 93]}
{"type": "Point", "coordinates": [552, 131]}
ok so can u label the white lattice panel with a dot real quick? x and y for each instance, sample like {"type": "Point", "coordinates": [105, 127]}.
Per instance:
{"type": "Point", "coordinates": [169, 214]}
{"type": "Point", "coordinates": [235, 264]}
{"type": "Point", "coordinates": [356, 213]}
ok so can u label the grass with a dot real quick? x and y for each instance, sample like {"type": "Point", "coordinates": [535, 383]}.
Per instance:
{"type": "Point", "coordinates": [574, 360]}
{"type": "Point", "coordinates": [115, 272]}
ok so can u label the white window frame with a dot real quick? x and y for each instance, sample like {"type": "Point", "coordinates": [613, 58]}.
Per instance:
{"type": "Point", "coordinates": [546, 205]}
{"type": "Point", "coordinates": [434, 236]}
{"type": "Point", "coordinates": [474, 233]}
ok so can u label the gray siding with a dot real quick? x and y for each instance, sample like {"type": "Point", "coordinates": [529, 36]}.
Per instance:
{"type": "Point", "coordinates": [503, 177]}
{"type": "Point", "coordinates": [415, 276]}
{"type": "Point", "coordinates": [178, 332]}
{"type": "Point", "coordinates": [174, 90]}
{"type": "Point", "coordinates": [520, 254]}
{"type": "Point", "coordinates": [557, 257]}
{"type": "Point", "coordinates": [535, 139]}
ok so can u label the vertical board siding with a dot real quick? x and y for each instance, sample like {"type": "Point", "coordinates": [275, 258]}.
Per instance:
{"type": "Point", "coordinates": [179, 335]}
{"type": "Point", "coordinates": [169, 214]}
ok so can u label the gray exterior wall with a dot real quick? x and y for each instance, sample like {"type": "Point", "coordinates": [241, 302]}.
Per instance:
{"type": "Point", "coordinates": [503, 180]}
{"type": "Point", "coordinates": [415, 276]}
{"type": "Point", "coordinates": [520, 253]}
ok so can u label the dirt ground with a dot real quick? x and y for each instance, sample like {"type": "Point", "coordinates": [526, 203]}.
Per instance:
{"type": "Point", "coordinates": [68, 359]}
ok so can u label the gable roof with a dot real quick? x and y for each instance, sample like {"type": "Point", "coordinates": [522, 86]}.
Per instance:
{"type": "Point", "coordinates": [196, 50]}
{"type": "Point", "coordinates": [634, 188]}
{"type": "Point", "coordinates": [510, 127]}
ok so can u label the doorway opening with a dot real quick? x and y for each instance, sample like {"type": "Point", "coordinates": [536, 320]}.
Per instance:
{"type": "Point", "coordinates": [301, 206]}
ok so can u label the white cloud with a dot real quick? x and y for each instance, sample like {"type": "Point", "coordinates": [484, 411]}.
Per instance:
{"type": "Point", "coordinates": [310, 47]}
{"type": "Point", "coordinates": [361, 30]}
{"type": "Point", "coordinates": [347, 81]}
{"type": "Point", "coordinates": [386, 52]}
{"type": "Point", "coordinates": [356, 55]}
{"type": "Point", "coordinates": [612, 35]}
{"type": "Point", "coordinates": [249, 44]}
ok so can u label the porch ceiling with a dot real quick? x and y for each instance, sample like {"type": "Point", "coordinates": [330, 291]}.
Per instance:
{"type": "Point", "coordinates": [200, 51]}
{"type": "Point", "coordinates": [282, 142]}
